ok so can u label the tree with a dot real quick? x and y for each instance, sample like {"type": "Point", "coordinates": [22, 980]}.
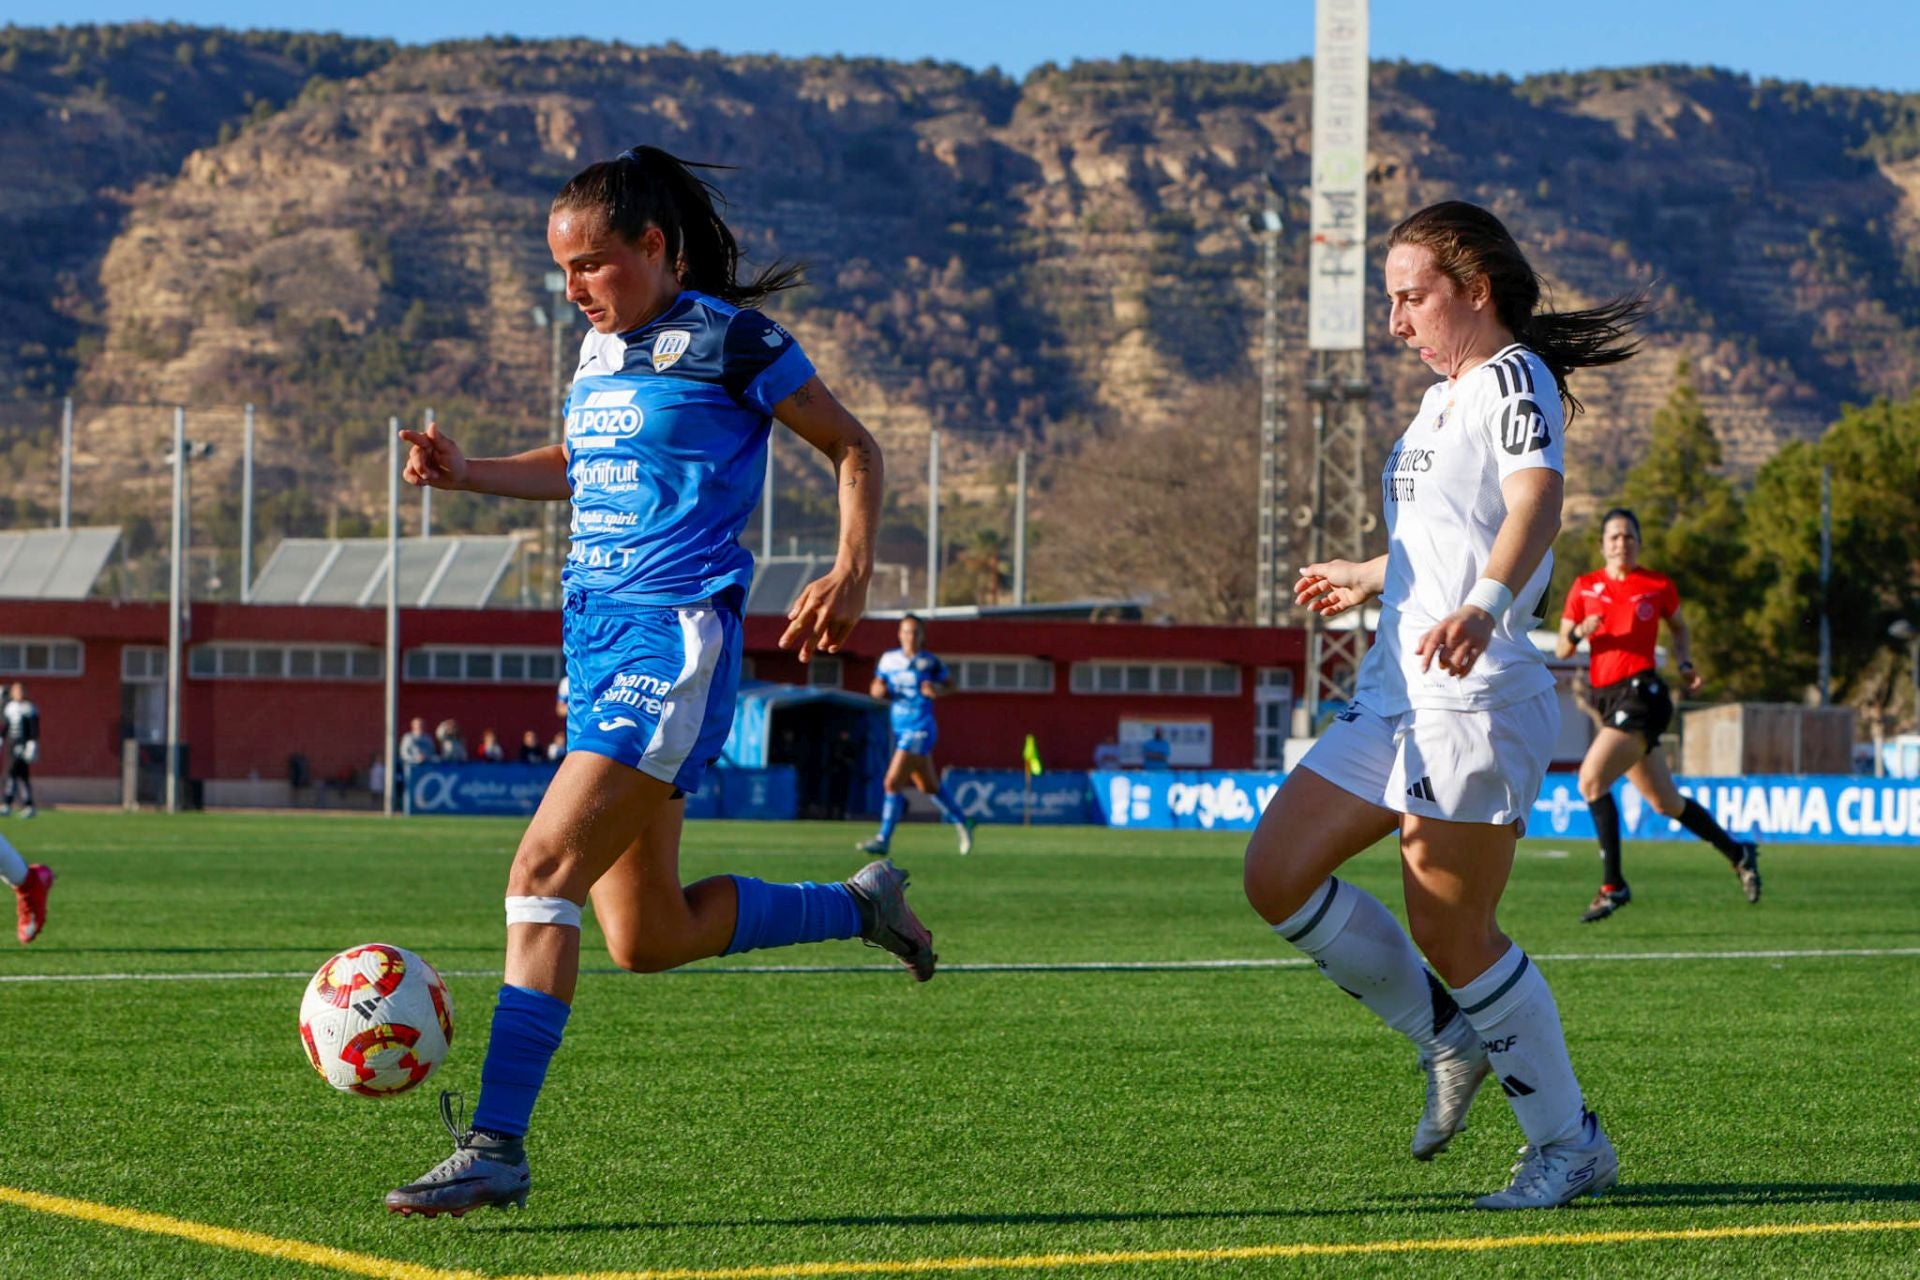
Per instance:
{"type": "Point", "coordinates": [1692, 528]}
{"type": "Point", "coordinates": [1874, 455]}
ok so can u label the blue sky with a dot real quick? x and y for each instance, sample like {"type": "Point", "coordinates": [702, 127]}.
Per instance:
{"type": "Point", "coordinates": [1873, 43]}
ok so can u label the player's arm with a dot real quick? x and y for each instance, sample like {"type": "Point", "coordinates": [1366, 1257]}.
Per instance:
{"type": "Point", "coordinates": [1526, 535]}
{"type": "Point", "coordinates": [936, 685]}
{"type": "Point", "coordinates": [435, 461]}
{"type": "Point", "coordinates": [1574, 629]}
{"type": "Point", "coordinates": [1334, 586]}
{"type": "Point", "coordinates": [1683, 651]}
{"type": "Point", "coordinates": [879, 690]}
{"type": "Point", "coordinates": [823, 616]}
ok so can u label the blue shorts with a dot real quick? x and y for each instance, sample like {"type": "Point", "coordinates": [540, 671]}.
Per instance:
{"type": "Point", "coordinates": [651, 686]}
{"type": "Point", "coordinates": [915, 742]}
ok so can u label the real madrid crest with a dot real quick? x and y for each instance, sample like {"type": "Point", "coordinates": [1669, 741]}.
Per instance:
{"type": "Point", "coordinates": [668, 347]}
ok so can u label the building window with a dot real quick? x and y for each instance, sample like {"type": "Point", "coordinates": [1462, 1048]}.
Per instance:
{"type": "Point", "coordinates": [1001, 675]}
{"type": "Point", "coordinates": [37, 657]}
{"type": "Point", "coordinates": [823, 672]}
{"type": "Point", "coordinates": [1187, 679]}
{"type": "Point", "coordinates": [452, 665]}
{"type": "Point", "coordinates": [1272, 716]}
{"type": "Point", "coordinates": [274, 662]}
{"type": "Point", "coordinates": [143, 664]}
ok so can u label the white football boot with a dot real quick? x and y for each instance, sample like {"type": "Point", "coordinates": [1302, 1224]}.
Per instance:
{"type": "Point", "coordinates": [1550, 1176]}
{"type": "Point", "coordinates": [1454, 1072]}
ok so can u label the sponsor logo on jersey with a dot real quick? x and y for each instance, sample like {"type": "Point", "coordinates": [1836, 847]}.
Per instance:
{"type": "Point", "coordinates": [603, 418]}
{"type": "Point", "coordinates": [668, 347]}
{"type": "Point", "coordinates": [618, 722]}
{"type": "Point", "coordinates": [1523, 428]}
{"type": "Point", "coordinates": [774, 336]}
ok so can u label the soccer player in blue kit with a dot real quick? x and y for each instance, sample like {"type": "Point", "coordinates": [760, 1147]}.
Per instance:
{"type": "Point", "coordinates": [910, 678]}
{"type": "Point", "coordinates": [666, 438]}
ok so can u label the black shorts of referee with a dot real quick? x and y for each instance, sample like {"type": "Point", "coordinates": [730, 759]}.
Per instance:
{"type": "Point", "coordinates": [1639, 704]}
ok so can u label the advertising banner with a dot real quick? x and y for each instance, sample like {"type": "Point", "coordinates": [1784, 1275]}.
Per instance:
{"type": "Point", "coordinates": [991, 795]}
{"type": "Point", "coordinates": [1184, 800]}
{"type": "Point", "coordinates": [1770, 809]}
{"type": "Point", "coordinates": [514, 791]}
{"type": "Point", "coordinates": [1337, 258]}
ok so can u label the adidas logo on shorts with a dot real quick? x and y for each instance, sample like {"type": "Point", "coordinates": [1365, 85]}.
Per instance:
{"type": "Point", "coordinates": [1422, 789]}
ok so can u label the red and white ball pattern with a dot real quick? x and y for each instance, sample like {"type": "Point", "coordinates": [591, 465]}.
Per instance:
{"type": "Point", "coordinates": [376, 1020]}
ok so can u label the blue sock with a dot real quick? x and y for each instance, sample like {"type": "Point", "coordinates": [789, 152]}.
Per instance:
{"type": "Point", "coordinates": [890, 810]}
{"type": "Point", "coordinates": [526, 1030]}
{"type": "Point", "coordinates": [779, 915]}
{"type": "Point", "coordinates": [949, 807]}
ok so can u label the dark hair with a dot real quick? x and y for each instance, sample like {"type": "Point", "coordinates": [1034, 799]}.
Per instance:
{"type": "Point", "coordinates": [1621, 513]}
{"type": "Point", "coordinates": [1468, 241]}
{"type": "Point", "coordinates": [915, 619]}
{"type": "Point", "coordinates": [646, 187]}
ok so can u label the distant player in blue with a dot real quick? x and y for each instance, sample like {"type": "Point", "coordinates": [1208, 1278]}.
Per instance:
{"type": "Point", "coordinates": [667, 424]}
{"type": "Point", "coordinates": [910, 678]}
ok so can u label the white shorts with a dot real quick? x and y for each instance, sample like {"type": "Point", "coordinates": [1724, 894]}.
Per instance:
{"type": "Point", "coordinates": [1462, 766]}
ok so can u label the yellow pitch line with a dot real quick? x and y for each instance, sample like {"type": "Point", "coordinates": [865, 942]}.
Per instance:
{"type": "Point", "coordinates": [313, 1255]}
{"type": "Point", "coordinates": [362, 1264]}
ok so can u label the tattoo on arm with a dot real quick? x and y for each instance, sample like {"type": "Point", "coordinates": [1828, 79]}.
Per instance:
{"type": "Point", "coordinates": [858, 465]}
{"type": "Point", "coordinates": [803, 397]}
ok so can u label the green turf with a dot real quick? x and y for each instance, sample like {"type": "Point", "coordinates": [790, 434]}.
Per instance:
{"type": "Point", "coordinates": [728, 1120]}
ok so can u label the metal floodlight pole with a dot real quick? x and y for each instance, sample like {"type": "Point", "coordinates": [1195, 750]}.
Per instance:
{"type": "Point", "coordinates": [1273, 531]}
{"type": "Point", "coordinates": [179, 551]}
{"type": "Point", "coordinates": [246, 510]}
{"type": "Point", "coordinates": [66, 462]}
{"type": "Point", "coordinates": [392, 693]}
{"type": "Point", "coordinates": [933, 520]}
{"type": "Point", "coordinates": [1826, 572]}
{"type": "Point", "coordinates": [1020, 528]}
{"type": "Point", "coordinates": [426, 490]}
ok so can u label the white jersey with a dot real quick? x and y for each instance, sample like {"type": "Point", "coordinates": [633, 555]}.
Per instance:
{"type": "Point", "coordinates": [1443, 504]}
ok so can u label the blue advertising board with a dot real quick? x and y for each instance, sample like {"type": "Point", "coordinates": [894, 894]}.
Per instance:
{"type": "Point", "coordinates": [514, 790]}
{"type": "Point", "coordinates": [1184, 799]}
{"type": "Point", "coordinates": [1768, 808]}
{"type": "Point", "coordinates": [995, 795]}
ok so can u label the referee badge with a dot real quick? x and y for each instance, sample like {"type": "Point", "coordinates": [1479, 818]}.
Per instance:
{"type": "Point", "coordinates": [668, 347]}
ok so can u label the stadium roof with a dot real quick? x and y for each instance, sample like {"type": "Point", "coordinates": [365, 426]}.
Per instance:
{"type": "Point", "coordinates": [435, 573]}
{"type": "Point", "coordinates": [54, 564]}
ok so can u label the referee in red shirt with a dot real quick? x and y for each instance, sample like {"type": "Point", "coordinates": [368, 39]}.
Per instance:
{"type": "Point", "coordinates": [1617, 610]}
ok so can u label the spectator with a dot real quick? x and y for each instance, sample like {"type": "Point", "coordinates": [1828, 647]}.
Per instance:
{"type": "Point", "coordinates": [1107, 754]}
{"type": "Point", "coordinates": [452, 745]}
{"type": "Point", "coordinates": [530, 752]}
{"type": "Point", "coordinates": [557, 749]}
{"type": "Point", "coordinates": [377, 780]}
{"type": "Point", "coordinates": [416, 746]}
{"type": "Point", "coordinates": [1156, 752]}
{"type": "Point", "coordinates": [490, 749]}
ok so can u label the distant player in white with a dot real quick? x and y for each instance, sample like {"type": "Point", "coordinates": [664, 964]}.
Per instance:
{"type": "Point", "coordinates": [1454, 715]}
{"type": "Point", "coordinates": [23, 748]}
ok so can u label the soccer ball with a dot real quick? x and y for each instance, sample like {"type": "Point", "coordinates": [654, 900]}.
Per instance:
{"type": "Point", "coordinates": [376, 1020]}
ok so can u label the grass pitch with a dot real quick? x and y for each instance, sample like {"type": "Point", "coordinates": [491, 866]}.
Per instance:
{"type": "Point", "coordinates": [1068, 1121]}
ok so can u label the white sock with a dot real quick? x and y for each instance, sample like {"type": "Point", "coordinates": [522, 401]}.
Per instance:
{"type": "Point", "coordinates": [13, 867]}
{"type": "Point", "coordinates": [1357, 943]}
{"type": "Point", "coordinates": [1513, 1012]}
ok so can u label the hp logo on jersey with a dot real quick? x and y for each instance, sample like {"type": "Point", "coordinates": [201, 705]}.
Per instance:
{"type": "Point", "coordinates": [1523, 428]}
{"type": "Point", "coordinates": [603, 419]}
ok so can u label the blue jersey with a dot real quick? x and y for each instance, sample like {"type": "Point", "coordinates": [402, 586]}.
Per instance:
{"type": "Point", "coordinates": [911, 710]}
{"type": "Point", "coordinates": [666, 450]}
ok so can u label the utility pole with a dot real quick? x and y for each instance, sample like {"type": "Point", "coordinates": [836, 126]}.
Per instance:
{"type": "Point", "coordinates": [246, 509]}
{"type": "Point", "coordinates": [1020, 528]}
{"type": "Point", "coordinates": [1274, 540]}
{"type": "Point", "coordinates": [933, 520]}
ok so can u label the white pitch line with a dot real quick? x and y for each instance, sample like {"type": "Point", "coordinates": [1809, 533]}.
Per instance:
{"type": "Point", "coordinates": [1068, 966]}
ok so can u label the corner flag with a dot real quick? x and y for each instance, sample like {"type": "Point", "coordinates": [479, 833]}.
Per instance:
{"type": "Point", "coordinates": [1031, 754]}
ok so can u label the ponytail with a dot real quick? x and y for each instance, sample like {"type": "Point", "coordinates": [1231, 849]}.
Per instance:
{"type": "Point", "coordinates": [645, 186]}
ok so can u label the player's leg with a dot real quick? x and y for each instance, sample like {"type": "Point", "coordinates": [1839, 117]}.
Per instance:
{"type": "Point", "coordinates": [893, 804]}
{"type": "Point", "coordinates": [926, 775]}
{"type": "Point", "coordinates": [584, 823]}
{"type": "Point", "coordinates": [1655, 781]}
{"type": "Point", "coordinates": [1611, 753]}
{"type": "Point", "coordinates": [30, 884]}
{"type": "Point", "coordinates": [13, 783]}
{"type": "Point", "coordinates": [26, 788]}
{"type": "Point", "coordinates": [1308, 830]}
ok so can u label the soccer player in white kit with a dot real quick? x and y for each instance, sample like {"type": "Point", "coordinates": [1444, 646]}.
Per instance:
{"type": "Point", "coordinates": [1454, 714]}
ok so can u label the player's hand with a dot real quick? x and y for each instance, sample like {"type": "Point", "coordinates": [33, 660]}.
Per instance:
{"type": "Point", "coordinates": [1457, 642]}
{"type": "Point", "coordinates": [1691, 679]}
{"type": "Point", "coordinates": [822, 618]}
{"type": "Point", "coordinates": [1333, 587]}
{"type": "Point", "coordinates": [433, 460]}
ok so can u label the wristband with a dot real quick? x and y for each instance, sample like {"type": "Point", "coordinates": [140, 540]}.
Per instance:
{"type": "Point", "coordinates": [1492, 596]}
{"type": "Point", "coordinates": [1687, 665]}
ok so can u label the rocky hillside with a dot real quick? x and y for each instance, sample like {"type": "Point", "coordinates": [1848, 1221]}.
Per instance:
{"type": "Point", "coordinates": [1041, 261]}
